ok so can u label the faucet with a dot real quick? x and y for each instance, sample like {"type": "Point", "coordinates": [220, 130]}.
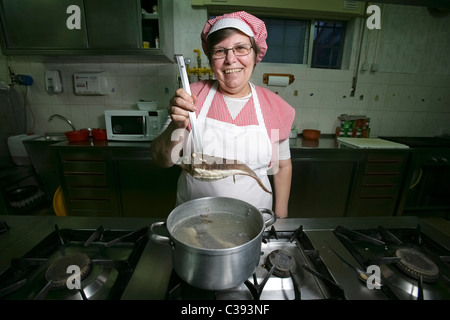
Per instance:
{"type": "Point", "coordinates": [63, 118]}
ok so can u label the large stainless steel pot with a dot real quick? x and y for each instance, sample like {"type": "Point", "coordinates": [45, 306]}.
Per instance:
{"type": "Point", "coordinates": [215, 269]}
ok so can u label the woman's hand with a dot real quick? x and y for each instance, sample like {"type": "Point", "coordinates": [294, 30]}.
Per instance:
{"type": "Point", "coordinates": [162, 146]}
{"type": "Point", "coordinates": [180, 106]}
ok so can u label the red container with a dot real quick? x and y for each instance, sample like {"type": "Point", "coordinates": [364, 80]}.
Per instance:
{"type": "Point", "coordinates": [311, 134]}
{"type": "Point", "coordinates": [99, 134]}
{"type": "Point", "coordinates": [77, 135]}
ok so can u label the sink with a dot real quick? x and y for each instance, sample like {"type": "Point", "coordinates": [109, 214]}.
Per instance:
{"type": "Point", "coordinates": [53, 136]}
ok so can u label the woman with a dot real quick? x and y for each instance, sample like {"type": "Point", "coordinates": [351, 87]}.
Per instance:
{"type": "Point", "coordinates": [236, 119]}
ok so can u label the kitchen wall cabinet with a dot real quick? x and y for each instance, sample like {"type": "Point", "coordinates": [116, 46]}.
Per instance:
{"type": "Point", "coordinates": [113, 24]}
{"type": "Point", "coordinates": [379, 184]}
{"type": "Point", "coordinates": [106, 27]}
{"type": "Point", "coordinates": [37, 25]}
{"type": "Point", "coordinates": [322, 182]}
{"type": "Point", "coordinates": [88, 186]}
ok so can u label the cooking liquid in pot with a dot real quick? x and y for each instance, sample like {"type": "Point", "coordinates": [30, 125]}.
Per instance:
{"type": "Point", "coordinates": [215, 231]}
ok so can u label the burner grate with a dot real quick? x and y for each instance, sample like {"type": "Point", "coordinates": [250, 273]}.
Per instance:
{"type": "Point", "coordinates": [106, 259]}
{"type": "Point", "coordinates": [413, 266]}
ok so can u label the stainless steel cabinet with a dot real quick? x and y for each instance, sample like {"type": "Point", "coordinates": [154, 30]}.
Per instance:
{"type": "Point", "coordinates": [352, 182]}
{"type": "Point", "coordinates": [123, 181]}
{"type": "Point", "coordinates": [45, 162]}
{"type": "Point", "coordinates": [322, 182]}
{"type": "Point", "coordinates": [113, 24]}
{"type": "Point", "coordinates": [87, 182]}
{"type": "Point", "coordinates": [106, 27]}
{"type": "Point", "coordinates": [31, 24]}
{"type": "Point", "coordinates": [145, 190]}
{"type": "Point", "coordinates": [380, 183]}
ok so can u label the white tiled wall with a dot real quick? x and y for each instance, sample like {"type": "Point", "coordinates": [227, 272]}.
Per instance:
{"type": "Point", "coordinates": [409, 95]}
{"type": "Point", "coordinates": [128, 82]}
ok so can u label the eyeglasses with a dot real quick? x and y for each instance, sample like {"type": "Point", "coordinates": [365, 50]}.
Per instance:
{"type": "Point", "coordinates": [239, 50]}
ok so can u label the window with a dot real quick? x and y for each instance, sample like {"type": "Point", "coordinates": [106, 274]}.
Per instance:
{"type": "Point", "coordinates": [328, 44]}
{"type": "Point", "coordinates": [287, 40]}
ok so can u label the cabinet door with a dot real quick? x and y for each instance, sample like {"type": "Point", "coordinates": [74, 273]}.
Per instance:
{"type": "Point", "coordinates": [41, 25]}
{"type": "Point", "coordinates": [113, 24]}
{"type": "Point", "coordinates": [145, 189]}
{"type": "Point", "coordinates": [321, 186]}
{"type": "Point", "coordinates": [379, 183]}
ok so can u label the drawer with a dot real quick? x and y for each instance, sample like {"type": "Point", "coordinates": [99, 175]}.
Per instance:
{"type": "Point", "coordinates": [375, 192]}
{"type": "Point", "coordinates": [88, 193]}
{"type": "Point", "coordinates": [381, 180]}
{"type": "Point", "coordinates": [85, 180]}
{"type": "Point", "coordinates": [93, 213]}
{"type": "Point", "coordinates": [386, 157]}
{"type": "Point", "coordinates": [383, 167]}
{"type": "Point", "coordinates": [83, 166]}
{"type": "Point", "coordinates": [90, 205]}
{"type": "Point", "coordinates": [80, 155]}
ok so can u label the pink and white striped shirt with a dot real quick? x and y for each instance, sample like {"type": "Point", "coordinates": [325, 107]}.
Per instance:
{"type": "Point", "coordinates": [277, 113]}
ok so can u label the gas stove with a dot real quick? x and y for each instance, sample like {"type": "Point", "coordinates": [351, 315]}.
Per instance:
{"type": "Point", "coordinates": [301, 259]}
{"type": "Point", "coordinates": [75, 264]}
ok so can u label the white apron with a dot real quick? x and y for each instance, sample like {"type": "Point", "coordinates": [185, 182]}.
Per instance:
{"type": "Point", "coordinates": [248, 144]}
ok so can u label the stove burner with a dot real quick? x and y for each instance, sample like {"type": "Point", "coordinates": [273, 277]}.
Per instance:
{"type": "Point", "coordinates": [57, 272]}
{"type": "Point", "coordinates": [283, 262]}
{"type": "Point", "coordinates": [416, 265]}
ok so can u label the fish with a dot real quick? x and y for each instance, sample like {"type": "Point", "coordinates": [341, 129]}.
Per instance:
{"type": "Point", "coordinates": [209, 168]}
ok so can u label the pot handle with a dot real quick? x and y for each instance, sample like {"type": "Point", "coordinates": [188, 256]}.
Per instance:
{"type": "Point", "coordinates": [156, 237]}
{"type": "Point", "coordinates": [272, 218]}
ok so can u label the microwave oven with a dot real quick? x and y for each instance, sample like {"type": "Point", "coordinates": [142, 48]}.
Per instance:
{"type": "Point", "coordinates": [134, 125]}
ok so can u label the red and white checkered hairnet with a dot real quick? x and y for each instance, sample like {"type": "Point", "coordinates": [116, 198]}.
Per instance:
{"type": "Point", "coordinates": [243, 21]}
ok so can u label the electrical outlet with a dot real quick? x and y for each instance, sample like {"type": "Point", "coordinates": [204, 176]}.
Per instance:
{"type": "Point", "coordinates": [295, 93]}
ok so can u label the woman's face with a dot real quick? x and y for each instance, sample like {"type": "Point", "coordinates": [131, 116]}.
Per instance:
{"type": "Point", "coordinates": [232, 72]}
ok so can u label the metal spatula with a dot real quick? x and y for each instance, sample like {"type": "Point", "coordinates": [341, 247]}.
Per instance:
{"type": "Point", "coordinates": [185, 81]}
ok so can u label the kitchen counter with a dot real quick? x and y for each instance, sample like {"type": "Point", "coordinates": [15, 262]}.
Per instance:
{"type": "Point", "coordinates": [151, 276]}
{"type": "Point", "coordinates": [326, 141]}
{"type": "Point", "coordinates": [130, 175]}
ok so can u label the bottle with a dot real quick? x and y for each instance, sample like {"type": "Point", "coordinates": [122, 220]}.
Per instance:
{"type": "Point", "coordinates": [157, 42]}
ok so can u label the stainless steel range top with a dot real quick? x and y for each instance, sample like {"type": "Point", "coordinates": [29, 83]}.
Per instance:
{"type": "Point", "coordinates": [301, 259]}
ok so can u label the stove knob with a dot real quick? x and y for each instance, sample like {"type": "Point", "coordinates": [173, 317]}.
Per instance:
{"type": "Point", "coordinates": [443, 160]}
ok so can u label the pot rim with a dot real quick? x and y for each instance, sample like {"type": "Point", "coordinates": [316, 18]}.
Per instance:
{"type": "Point", "coordinates": [175, 242]}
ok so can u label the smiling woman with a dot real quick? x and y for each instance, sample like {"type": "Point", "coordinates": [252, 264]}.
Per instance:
{"type": "Point", "coordinates": [231, 115]}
